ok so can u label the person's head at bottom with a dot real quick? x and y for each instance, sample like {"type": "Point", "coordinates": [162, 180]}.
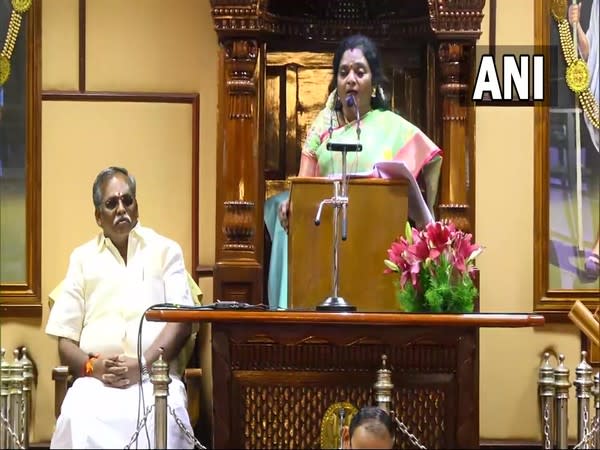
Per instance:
{"type": "Point", "coordinates": [371, 427]}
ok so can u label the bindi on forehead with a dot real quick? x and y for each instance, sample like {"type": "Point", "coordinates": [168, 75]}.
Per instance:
{"type": "Point", "coordinates": [354, 58]}
{"type": "Point", "coordinates": [353, 55]}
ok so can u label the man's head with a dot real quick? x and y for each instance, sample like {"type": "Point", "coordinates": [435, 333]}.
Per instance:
{"type": "Point", "coordinates": [115, 202]}
{"type": "Point", "coordinates": [371, 427]}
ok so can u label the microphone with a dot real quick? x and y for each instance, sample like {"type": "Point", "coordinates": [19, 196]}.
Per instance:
{"type": "Point", "coordinates": [352, 103]}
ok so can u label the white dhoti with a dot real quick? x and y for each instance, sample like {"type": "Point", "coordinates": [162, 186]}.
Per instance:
{"type": "Point", "coordinates": [96, 416]}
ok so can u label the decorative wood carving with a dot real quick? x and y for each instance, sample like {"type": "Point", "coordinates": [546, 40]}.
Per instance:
{"type": "Point", "coordinates": [241, 84]}
{"type": "Point", "coordinates": [278, 415]}
{"type": "Point", "coordinates": [456, 18]}
{"type": "Point", "coordinates": [453, 203]}
{"type": "Point", "coordinates": [238, 225]}
{"type": "Point", "coordinates": [330, 19]}
{"type": "Point", "coordinates": [279, 391]}
{"type": "Point", "coordinates": [238, 175]}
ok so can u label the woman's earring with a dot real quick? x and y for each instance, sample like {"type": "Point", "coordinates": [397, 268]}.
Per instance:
{"type": "Point", "coordinates": [338, 103]}
{"type": "Point", "coordinates": [374, 92]}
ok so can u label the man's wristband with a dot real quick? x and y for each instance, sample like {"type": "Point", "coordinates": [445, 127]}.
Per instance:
{"type": "Point", "coordinates": [88, 367]}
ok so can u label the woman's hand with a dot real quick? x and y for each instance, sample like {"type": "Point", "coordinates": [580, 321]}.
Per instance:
{"type": "Point", "coordinates": [283, 214]}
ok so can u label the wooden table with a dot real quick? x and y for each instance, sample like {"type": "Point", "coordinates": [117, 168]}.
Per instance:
{"type": "Point", "coordinates": [276, 372]}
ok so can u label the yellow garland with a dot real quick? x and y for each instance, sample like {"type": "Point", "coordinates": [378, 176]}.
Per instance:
{"type": "Point", "coordinates": [20, 7]}
{"type": "Point", "coordinates": [577, 73]}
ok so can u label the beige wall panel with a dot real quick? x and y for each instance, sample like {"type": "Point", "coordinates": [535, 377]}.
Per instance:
{"type": "Point", "coordinates": [514, 22]}
{"type": "Point", "coordinates": [509, 358]}
{"type": "Point", "coordinates": [484, 39]}
{"type": "Point", "coordinates": [206, 284]}
{"type": "Point", "coordinates": [505, 207]}
{"type": "Point", "coordinates": [158, 46]}
{"type": "Point", "coordinates": [60, 44]}
{"type": "Point", "coordinates": [509, 362]}
{"type": "Point", "coordinates": [153, 141]}
{"type": "Point", "coordinates": [150, 45]}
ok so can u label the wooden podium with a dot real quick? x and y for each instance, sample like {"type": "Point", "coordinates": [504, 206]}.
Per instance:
{"type": "Point", "coordinates": [275, 373]}
{"type": "Point", "coordinates": [377, 214]}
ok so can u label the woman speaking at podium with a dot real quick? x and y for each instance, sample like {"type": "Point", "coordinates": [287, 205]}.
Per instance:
{"type": "Point", "coordinates": [357, 109]}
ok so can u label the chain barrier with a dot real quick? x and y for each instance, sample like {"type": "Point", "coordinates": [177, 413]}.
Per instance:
{"type": "Point", "coordinates": [183, 428]}
{"type": "Point", "coordinates": [141, 425]}
{"type": "Point", "coordinates": [413, 439]}
{"type": "Point", "coordinates": [586, 420]}
{"type": "Point", "coordinates": [16, 439]}
{"type": "Point", "coordinates": [547, 443]}
{"type": "Point", "coordinates": [589, 437]}
{"type": "Point", "coordinates": [23, 417]}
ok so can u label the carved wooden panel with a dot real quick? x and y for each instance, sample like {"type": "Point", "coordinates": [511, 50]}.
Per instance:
{"type": "Point", "coordinates": [238, 207]}
{"type": "Point", "coordinates": [274, 414]}
{"type": "Point", "coordinates": [296, 88]}
{"type": "Point", "coordinates": [455, 18]}
{"type": "Point", "coordinates": [352, 357]}
{"type": "Point", "coordinates": [458, 144]}
{"type": "Point", "coordinates": [278, 381]}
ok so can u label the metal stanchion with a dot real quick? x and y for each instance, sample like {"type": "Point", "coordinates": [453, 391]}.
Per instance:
{"type": "Point", "coordinates": [27, 366]}
{"type": "Point", "coordinates": [583, 386]}
{"type": "Point", "coordinates": [562, 385]}
{"type": "Point", "coordinates": [383, 386]}
{"type": "Point", "coordinates": [546, 392]}
{"type": "Point", "coordinates": [4, 375]}
{"type": "Point", "coordinates": [15, 398]}
{"type": "Point", "coordinates": [596, 392]}
{"type": "Point", "coordinates": [160, 379]}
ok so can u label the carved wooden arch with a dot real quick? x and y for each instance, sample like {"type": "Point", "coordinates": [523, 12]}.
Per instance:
{"type": "Point", "coordinates": [447, 29]}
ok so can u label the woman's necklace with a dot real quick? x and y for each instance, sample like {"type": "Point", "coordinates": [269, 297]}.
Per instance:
{"type": "Point", "coordinates": [343, 121]}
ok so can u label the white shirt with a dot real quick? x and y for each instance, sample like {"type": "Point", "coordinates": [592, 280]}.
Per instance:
{"type": "Point", "coordinates": [102, 299]}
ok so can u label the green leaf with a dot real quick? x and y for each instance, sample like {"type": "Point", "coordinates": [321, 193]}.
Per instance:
{"type": "Point", "coordinates": [442, 291]}
{"type": "Point", "coordinates": [407, 297]}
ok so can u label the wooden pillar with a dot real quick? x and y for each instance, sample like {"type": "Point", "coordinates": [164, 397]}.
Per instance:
{"type": "Point", "coordinates": [456, 187]}
{"type": "Point", "coordinates": [239, 222]}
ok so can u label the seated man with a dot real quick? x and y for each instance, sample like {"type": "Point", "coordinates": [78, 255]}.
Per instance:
{"type": "Point", "coordinates": [110, 282]}
{"type": "Point", "coordinates": [371, 427]}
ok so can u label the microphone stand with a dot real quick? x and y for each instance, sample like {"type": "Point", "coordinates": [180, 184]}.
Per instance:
{"type": "Point", "coordinates": [339, 201]}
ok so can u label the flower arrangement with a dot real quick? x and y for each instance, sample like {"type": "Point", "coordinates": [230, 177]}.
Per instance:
{"type": "Point", "coordinates": [435, 269]}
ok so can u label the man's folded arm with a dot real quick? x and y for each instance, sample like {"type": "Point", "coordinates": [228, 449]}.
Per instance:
{"type": "Point", "coordinates": [174, 335]}
{"type": "Point", "coordinates": [72, 356]}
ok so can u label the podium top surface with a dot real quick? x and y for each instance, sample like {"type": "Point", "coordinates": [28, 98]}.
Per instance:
{"type": "Point", "coordinates": [307, 317]}
{"type": "Point", "coordinates": [352, 179]}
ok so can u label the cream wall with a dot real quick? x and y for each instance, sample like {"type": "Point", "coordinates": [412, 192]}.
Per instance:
{"type": "Point", "coordinates": [157, 46]}
{"type": "Point", "coordinates": [509, 358]}
{"type": "Point", "coordinates": [148, 46]}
